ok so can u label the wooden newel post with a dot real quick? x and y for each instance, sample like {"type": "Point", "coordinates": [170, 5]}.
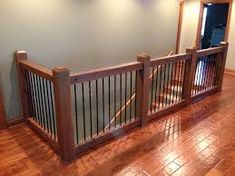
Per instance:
{"type": "Point", "coordinates": [190, 68]}
{"type": "Point", "coordinates": [222, 64]}
{"type": "Point", "coordinates": [62, 93]}
{"type": "Point", "coordinates": [24, 97]}
{"type": "Point", "coordinates": [143, 86]}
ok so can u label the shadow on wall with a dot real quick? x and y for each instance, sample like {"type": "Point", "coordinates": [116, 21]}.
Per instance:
{"type": "Point", "coordinates": [13, 108]}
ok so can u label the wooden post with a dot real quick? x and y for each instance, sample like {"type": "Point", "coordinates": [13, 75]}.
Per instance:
{"type": "Point", "coordinates": [3, 123]}
{"type": "Point", "coordinates": [222, 65]}
{"type": "Point", "coordinates": [143, 88]}
{"type": "Point", "coordinates": [19, 56]}
{"type": "Point", "coordinates": [62, 93]}
{"type": "Point", "coordinates": [190, 68]}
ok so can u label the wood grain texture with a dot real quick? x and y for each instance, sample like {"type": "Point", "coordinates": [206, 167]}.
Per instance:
{"type": "Point", "coordinates": [195, 141]}
{"type": "Point", "coordinates": [104, 72]}
{"type": "Point", "coordinates": [37, 69]}
{"type": "Point", "coordinates": [65, 131]}
{"type": "Point", "coordinates": [3, 123]}
{"type": "Point", "coordinates": [22, 56]}
{"type": "Point", "coordinates": [143, 86]}
{"type": "Point", "coordinates": [181, 12]}
{"type": "Point", "coordinates": [229, 71]}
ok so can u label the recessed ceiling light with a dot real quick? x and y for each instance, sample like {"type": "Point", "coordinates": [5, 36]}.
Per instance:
{"type": "Point", "coordinates": [209, 4]}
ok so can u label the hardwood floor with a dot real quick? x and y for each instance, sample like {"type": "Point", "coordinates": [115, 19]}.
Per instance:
{"type": "Point", "coordinates": [198, 140]}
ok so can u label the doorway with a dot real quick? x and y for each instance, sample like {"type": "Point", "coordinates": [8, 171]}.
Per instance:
{"type": "Point", "coordinates": [213, 23]}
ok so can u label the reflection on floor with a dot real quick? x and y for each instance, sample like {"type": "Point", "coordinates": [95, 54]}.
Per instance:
{"type": "Point", "coordinates": [198, 140]}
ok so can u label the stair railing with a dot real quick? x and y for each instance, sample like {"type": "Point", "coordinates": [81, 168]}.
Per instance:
{"type": "Point", "coordinates": [75, 112]}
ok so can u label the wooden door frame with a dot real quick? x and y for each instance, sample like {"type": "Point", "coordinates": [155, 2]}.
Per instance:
{"type": "Point", "coordinates": [202, 3]}
{"type": "Point", "coordinates": [181, 13]}
{"type": "Point", "coordinates": [3, 122]}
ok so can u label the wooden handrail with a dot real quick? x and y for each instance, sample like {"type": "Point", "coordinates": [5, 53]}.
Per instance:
{"type": "Point", "coordinates": [62, 79]}
{"type": "Point", "coordinates": [209, 51]}
{"type": "Point", "coordinates": [169, 59]}
{"type": "Point", "coordinates": [104, 72]}
{"type": "Point", "coordinates": [37, 69]}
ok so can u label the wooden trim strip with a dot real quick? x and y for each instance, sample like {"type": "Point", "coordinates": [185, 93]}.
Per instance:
{"type": "Point", "coordinates": [169, 59]}
{"type": "Point", "coordinates": [209, 51]}
{"type": "Point", "coordinates": [168, 110]}
{"type": "Point", "coordinates": [15, 121]}
{"type": "Point", "coordinates": [104, 72]}
{"type": "Point", "coordinates": [230, 71]}
{"type": "Point", "coordinates": [37, 69]}
{"type": "Point", "coordinates": [179, 30]}
{"type": "Point", "coordinates": [203, 95]}
{"type": "Point", "coordinates": [105, 137]}
{"type": "Point", "coordinates": [44, 135]}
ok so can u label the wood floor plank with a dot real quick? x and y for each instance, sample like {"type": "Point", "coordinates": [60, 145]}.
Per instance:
{"type": "Point", "coordinates": [197, 140]}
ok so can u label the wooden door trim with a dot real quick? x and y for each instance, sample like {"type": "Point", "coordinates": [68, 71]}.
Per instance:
{"type": "Point", "coordinates": [3, 122]}
{"type": "Point", "coordinates": [181, 12]}
{"type": "Point", "coordinates": [202, 3]}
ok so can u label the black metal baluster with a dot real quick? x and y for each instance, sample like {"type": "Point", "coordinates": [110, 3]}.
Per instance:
{"type": "Point", "coordinates": [152, 89]}
{"type": "Point", "coordinates": [125, 95]}
{"type": "Point", "coordinates": [178, 81]}
{"type": "Point", "coordinates": [171, 84]}
{"type": "Point", "coordinates": [174, 82]}
{"type": "Point", "coordinates": [103, 104]}
{"type": "Point", "coordinates": [160, 89]}
{"type": "Point", "coordinates": [53, 111]}
{"type": "Point", "coordinates": [120, 99]}
{"type": "Point", "coordinates": [109, 102]}
{"type": "Point", "coordinates": [39, 100]}
{"type": "Point", "coordinates": [97, 107]}
{"type": "Point", "coordinates": [207, 73]}
{"type": "Point", "coordinates": [90, 105]}
{"type": "Point", "coordinates": [45, 104]}
{"type": "Point", "coordinates": [135, 94]}
{"type": "Point", "coordinates": [83, 112]}
{"type": "Point", "coordinates": [204, 74]}
{"type": "Point", "coordinates": [156, 88]}
{"type": "Point", "coordinates": [34, 96]}
{"type": "Point", "coordinates": [168, 97]}
{"type": "Point", "coordinates": [198, 75]}
{"type": "Point", "coordinates": [28, 92]}
{"type": "Point", "coordinates": [76, 112]}
{"type": "Point", "coordinates": [214, 69]}
{"type": "Point", "coordinates": [217, 68]}
{"type": "Point", "coordinates": [48, 108]}
{"type": "Point", "coordinates": [131, 95]}
{"type": "Point", "coordinates": [181, 80]}
{"type": "Point", "coordinates": [115, 100]}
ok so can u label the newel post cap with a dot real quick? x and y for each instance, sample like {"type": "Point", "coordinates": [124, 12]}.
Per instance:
{"type": "Point", "coordinates": [20, 55]}
{"type": "Point", "coordinates": [143, 57]}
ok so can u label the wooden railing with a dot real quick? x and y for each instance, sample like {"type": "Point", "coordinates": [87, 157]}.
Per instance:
{"type": "Point", "coordinates": [74, 112]}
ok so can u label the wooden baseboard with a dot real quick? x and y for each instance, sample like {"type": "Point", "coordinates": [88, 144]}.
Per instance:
{"type": "Point", "coordinates": [15, 121]}
{"type": "Point", "coordinates": [230, 71]}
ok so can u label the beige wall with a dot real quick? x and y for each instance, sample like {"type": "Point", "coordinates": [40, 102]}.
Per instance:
{"type": "Point", "coordinates": [189, 30]}
{"type": "Point", "coordinates": [81, 34]}
{"type": "Point", "coordinates": [230, 64]}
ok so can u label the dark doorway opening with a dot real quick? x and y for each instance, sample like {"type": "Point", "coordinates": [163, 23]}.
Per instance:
{"type": "Point", "coordinates": [214, 24]}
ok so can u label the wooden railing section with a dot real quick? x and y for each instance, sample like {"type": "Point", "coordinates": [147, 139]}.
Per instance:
{"type": "Point", "coordinates": [74, 112]}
